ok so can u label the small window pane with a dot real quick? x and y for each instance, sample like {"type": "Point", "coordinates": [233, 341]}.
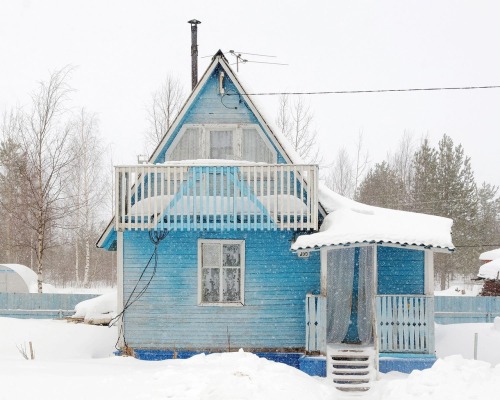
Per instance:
{"type": "Point", "coordinates": [231, 255]}
{"type": "Point", "coordinates": [211, 255]}
{"type": "Point", "coordinates": [221, 145]}
{"type": "Point", "coordinates": [231, 284]}
{"type": "Point", "coordinates": [254, 148]}
{"type": "Point", "coordinates": [188, 147]}
{"type": "Point", "coordinates": [210, 285]}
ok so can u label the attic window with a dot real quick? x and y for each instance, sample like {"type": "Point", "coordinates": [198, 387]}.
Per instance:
{"type": "Point", "coordinates": [222, 145]}
{"type": "Point", "coordinates": [222, 141]}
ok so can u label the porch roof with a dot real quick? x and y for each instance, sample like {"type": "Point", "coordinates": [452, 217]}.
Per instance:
{"type": "Point", "coordinates": [350, 222]}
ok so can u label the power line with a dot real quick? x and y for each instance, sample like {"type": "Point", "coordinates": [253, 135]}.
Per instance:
{"type": "Point", "coordinates": [374, 91]}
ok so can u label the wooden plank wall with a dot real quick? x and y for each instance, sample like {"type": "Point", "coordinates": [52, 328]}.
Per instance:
{"type": "Point", "coordinates": [168, 315]}
{"type": "Point", "coordinates": [36, 305]}
{"type": "Point", "coordinates": [400, 271]}
{"type": "Point", "coordinates": [458, 309]}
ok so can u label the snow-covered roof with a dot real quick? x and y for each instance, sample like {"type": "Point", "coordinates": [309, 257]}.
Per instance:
{"type": "Point", "coordinates": [29, 277]}
{"type": "Point", "coordinates": [490, 270]}
{"type": "Point", "coordinates": [350, 222]}
{"type": "Point", "coordinates": [490, 255]}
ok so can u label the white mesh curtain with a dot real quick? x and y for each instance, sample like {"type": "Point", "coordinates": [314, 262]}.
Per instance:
{"type": "Point", "coordinates": [365, 294]}
{"type": "Point", "coordinates": [188, 147]}
{"type": "Point", "coordinates": [340, 274]}
{"type": "Point", "coordinates": [254, 148]}
{"type": "Point", "coordinates": [221, 145]}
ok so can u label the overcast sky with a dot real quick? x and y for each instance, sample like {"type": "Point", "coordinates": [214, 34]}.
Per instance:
{"type": "Point", "coordinates": [123, 50]}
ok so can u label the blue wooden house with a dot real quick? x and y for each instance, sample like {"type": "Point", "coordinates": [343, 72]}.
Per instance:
{"type": "Point", "coordinates": [222, 244]}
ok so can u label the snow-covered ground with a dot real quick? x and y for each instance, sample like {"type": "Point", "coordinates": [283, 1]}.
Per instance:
{"type": "Point", "coordinates": [75, 361]}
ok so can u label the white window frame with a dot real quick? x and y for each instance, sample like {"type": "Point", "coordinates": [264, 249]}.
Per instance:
{"type": "Point", "coordinates": [221, 303]}
{"type": "Point", "coordinates": [204, 142]}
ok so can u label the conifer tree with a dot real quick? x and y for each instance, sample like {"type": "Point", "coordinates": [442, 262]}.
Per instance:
{"type": "Point", "coordinates": [382, 187]}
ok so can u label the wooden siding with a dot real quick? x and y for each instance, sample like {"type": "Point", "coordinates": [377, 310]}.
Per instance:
{"type": "Point", "coordinates": [210, 108]}
{"type": "Point", "coordinates": [168, 315]}
{"type": "Point", "coordinates": [400, 271]}
{"type": "Point", "coordinates": [464, 309]}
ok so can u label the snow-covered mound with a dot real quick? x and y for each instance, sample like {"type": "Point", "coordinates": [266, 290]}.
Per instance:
{"type": "Point", "coordinates": [97, 311]}
{"type": "Point", "coordinates": [71, 360]}
{"type": "Point", "coordinates": [53, 340]}
{"type": "Point", "coordinates": [450, 378]}
{"type": "Point", "coordinates": [490, 270]}
{"type": "Point", "coordinates": [490, 255]}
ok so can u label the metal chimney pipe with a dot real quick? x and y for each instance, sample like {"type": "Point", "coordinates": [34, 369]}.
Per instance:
{"type": "Point", "coordinates": [194, 51]}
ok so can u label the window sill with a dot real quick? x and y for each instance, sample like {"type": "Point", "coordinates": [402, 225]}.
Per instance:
{"type": "Point", "coordinates": [235, 304]}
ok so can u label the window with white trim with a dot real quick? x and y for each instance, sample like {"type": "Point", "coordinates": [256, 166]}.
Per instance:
{"type": "Point", "coordinates": [221, 272]}
{"type": "Point", "coordinates": [222, 141]}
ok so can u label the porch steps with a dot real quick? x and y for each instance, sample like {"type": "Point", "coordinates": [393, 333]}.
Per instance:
{"type": "Point", "coordinates": [351, 367]}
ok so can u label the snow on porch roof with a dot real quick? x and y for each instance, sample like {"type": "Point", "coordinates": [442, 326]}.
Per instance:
{"type": "Point", "coordinates": [350, 222]}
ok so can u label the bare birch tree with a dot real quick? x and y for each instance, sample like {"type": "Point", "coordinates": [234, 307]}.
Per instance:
{"type": "Point", "coordinates": [166, 103]}
{"type": "Point", "coordinates": [402, 160]}
{"type": "Point", "coordinates": [44, 139]}
{"type": "Point", "coordinates": [345, 174]}
{"type": "Point", "coordinates": [294, 121]}
{"type": "Point", "coordinates": [87, 186]}
{"type": "Point", "coordinates": [341, 176]}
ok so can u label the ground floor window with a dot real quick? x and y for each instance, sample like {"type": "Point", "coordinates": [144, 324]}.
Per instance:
{"type": "Point", "coordinates": [221, 272]}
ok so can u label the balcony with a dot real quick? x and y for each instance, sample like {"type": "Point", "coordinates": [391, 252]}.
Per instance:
{"type": "Point", "coordinates": [216, 197]}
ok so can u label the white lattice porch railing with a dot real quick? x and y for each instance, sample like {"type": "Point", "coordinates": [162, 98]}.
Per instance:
{"type": "Point", "coordinates": [405, 324]}
{"type": "Point", "coordinates": [216, 197]}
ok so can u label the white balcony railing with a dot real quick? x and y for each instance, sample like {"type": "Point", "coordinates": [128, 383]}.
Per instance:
{"type": "Point", "coordinates": [222, 197]}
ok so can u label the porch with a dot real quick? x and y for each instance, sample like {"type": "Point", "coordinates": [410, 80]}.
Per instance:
{"type": "Point", "coordinates": [216, 197]}
{"type": "Point", "coordinates": [403, 324]}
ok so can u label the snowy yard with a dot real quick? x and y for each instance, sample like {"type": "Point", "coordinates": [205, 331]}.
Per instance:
{"type": "Point", "coordinates": [75, 361]}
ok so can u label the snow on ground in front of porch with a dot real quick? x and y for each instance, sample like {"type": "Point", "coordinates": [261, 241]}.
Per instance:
{"type": "Point", "coordinates": [75, 361]}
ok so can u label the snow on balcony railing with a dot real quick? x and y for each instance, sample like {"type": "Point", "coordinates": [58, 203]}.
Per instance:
{"type": "Point", "coordinates": [216, 197]}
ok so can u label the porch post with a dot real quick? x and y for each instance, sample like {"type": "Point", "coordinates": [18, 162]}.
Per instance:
{"type": "Point", "coordinates": [429, 291]}
{"type": "Point", "coordinates": [323, 262]}
{"type": "Point", "coordinates": [429, 272]}
{"type": "Point", "coordinates": [119, 285]}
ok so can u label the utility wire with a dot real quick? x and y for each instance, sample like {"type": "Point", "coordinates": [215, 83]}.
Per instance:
{"type": "Point", "coordinates": [373, 91]}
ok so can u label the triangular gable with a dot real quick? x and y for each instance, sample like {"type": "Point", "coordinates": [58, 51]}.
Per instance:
{"type": "Point", "coordinates": [237, 97]}
{"type": "Point", "coordinates": [205, 105]}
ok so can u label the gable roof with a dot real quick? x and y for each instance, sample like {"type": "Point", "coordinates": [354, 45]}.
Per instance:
{"type": "Point", "coordinates": [279, 141]}
{"type": "Point", "coordinates": [220, 61]}
{"type": "Point", "coordinates": [349, 222]}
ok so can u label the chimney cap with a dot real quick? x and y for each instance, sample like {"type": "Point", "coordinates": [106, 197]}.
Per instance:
{"type": "Point", "coordinates": [194, 22]}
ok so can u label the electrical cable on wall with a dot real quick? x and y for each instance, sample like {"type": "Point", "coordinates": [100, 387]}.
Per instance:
{"type": "Point", "coordinates": [155, 237]}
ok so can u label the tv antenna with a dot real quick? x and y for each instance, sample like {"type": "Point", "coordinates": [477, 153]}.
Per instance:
{"type": "Point", "coordinates": [239, 58]}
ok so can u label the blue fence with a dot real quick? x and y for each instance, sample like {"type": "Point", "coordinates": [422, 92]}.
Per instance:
{"type": "Point", "coordinates": [40, 305]}
{"type": "Point", "coordinates": [458, 310]}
